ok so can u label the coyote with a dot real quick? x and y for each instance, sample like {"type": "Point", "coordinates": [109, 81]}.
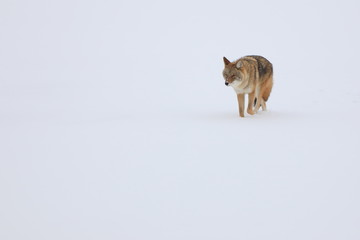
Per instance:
{"type": "Point", "coordinates": [252, 75]}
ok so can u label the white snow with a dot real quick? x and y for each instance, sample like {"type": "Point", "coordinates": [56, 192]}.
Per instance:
{"type": "Point", "coordinates": [115, 122]}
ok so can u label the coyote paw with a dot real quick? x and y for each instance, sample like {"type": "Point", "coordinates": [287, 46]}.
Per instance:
{"type": "Point", "coordinates": [251, 112]}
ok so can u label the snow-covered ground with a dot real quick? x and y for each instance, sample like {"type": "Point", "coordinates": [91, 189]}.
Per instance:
{"type": "Point", "coordinates": [115, 122]}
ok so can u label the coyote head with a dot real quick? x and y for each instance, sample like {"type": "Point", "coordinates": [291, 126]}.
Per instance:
{"type": "Point", "coordinates": [232, 72]}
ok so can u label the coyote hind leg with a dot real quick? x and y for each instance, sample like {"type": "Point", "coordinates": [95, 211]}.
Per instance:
{"type": "Point", "coordinates": [258, 97]}
{"type": "Point", "coordinates": [263, 104]}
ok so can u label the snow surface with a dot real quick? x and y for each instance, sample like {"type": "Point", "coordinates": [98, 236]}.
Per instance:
{"type": "Point", "coordinates": [115, 122]}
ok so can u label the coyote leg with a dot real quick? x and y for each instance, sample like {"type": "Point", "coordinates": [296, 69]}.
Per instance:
{"type": "Point", "coordinates": [258, 97]}
{"type": "Point", "coordinates": [263, 104]}
{"type": "Point", "coordinates": [241, 103]}
{"type": "Point", "coordinates": [251, 103]}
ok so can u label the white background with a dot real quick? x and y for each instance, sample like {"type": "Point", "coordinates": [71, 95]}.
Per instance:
{"type": "Point", "coordinates": [115, 122]}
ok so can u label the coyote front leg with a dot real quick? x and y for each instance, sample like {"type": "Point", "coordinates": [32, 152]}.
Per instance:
{"type": "Point", "coordinates": [250, 109]}
{"type": "Point", "coordinates": [241, 103]}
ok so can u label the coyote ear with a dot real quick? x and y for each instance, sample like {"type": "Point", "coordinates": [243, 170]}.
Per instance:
{"type": "Point", "coordinates": [238, 65]}
{"type": "Point", "coordinates": [226, 61]}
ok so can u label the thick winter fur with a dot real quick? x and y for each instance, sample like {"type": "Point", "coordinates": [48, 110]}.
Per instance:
{"type": "Point", "coordinates": [252, 75]}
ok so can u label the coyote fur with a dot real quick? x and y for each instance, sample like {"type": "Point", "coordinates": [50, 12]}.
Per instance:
{"type": "Point", "coordinates": [252, 75]}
